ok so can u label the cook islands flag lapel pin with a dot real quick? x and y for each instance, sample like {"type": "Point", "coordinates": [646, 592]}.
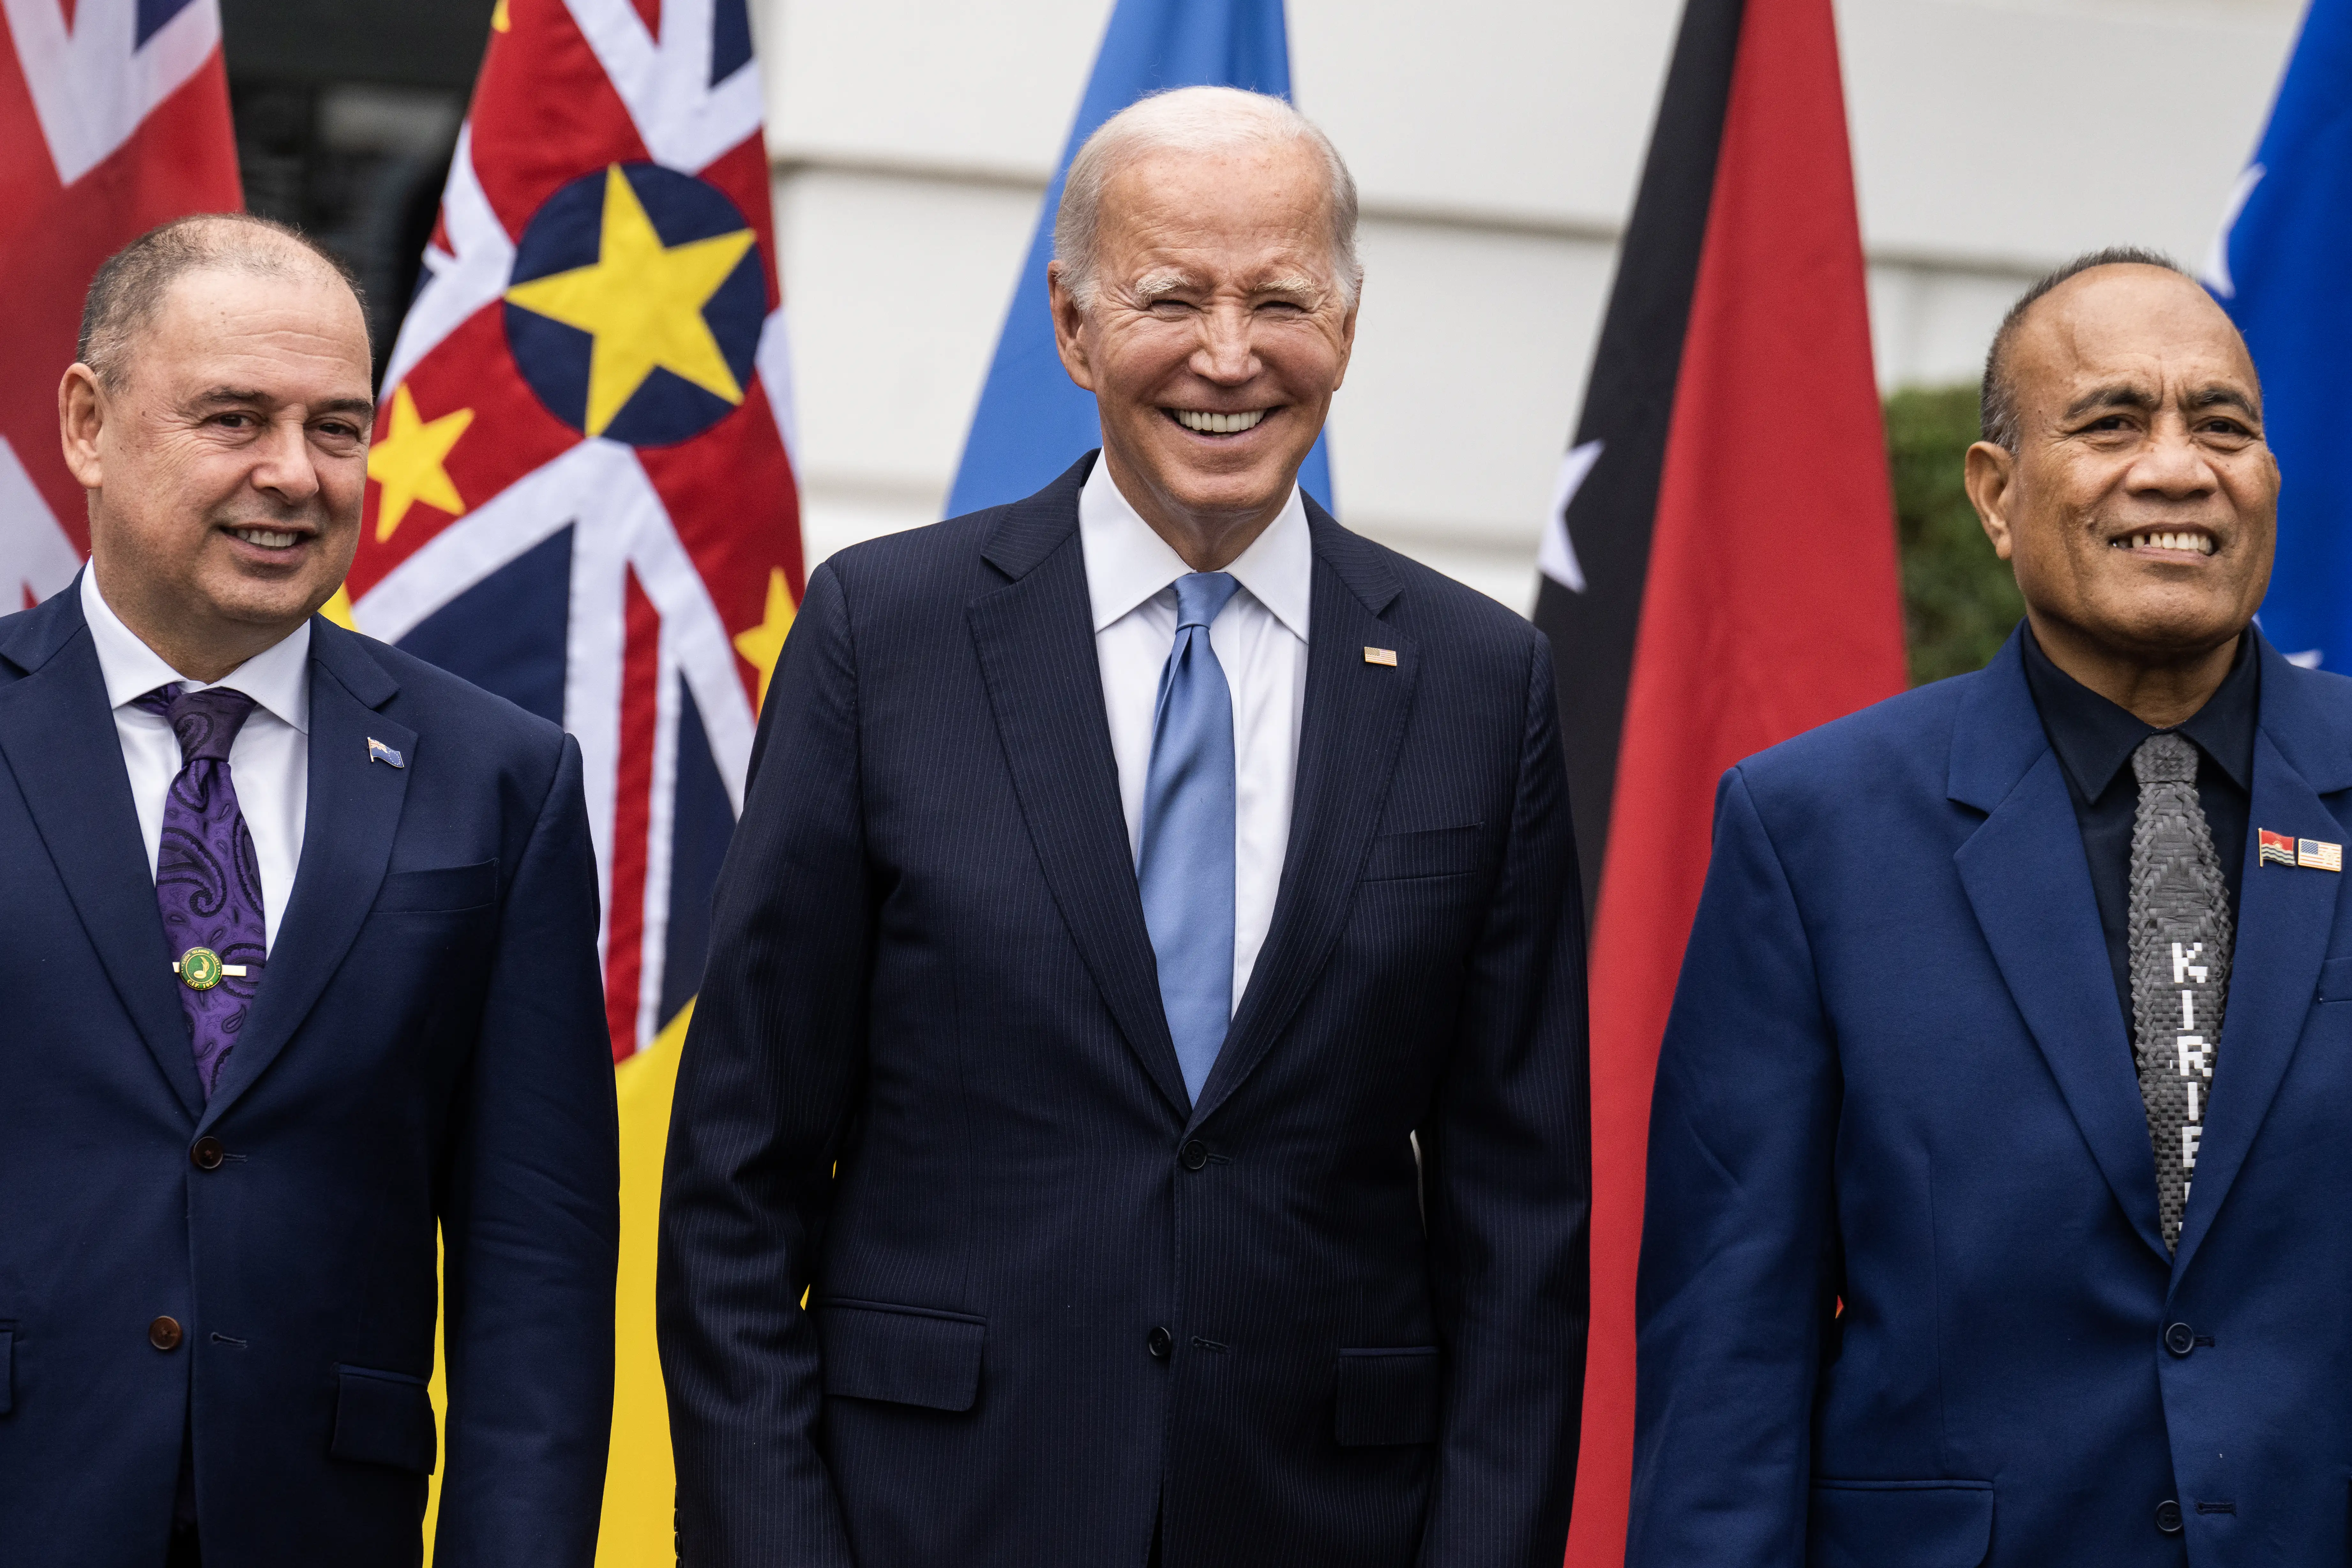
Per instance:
{"type": "Point", "coordinates": [380, 752]}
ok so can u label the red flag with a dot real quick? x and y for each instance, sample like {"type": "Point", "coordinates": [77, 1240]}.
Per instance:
{"type": "Point", "coordinates": [113, 118]}
{"type": "Point", "coordinates": [1724, 576]}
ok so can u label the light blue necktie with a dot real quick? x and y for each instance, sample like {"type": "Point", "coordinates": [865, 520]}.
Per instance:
{"type": "Point", "coordinates": [1184, 862]}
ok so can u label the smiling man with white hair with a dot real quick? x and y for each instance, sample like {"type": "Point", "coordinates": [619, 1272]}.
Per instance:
{"type": "Point", "coordinates": [1136, 1111]}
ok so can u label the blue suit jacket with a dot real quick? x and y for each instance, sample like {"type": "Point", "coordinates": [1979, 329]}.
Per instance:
{"type": "Point", "coordinates": [1897, 1075]}
{"type": "Point", "coordinates": [930, 963]}
{"type": "Point", "coordinates": [427, 1045]}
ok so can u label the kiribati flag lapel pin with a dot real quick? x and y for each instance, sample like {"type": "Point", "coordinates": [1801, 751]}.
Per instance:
{"type": "Point", "coordinates": [2277, 849]}
{"type": "Point", "coordinates": [380, 752]}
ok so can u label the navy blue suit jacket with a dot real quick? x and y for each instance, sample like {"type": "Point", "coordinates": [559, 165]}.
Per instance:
{"type": "Point", "coordinates": [1050, 1299]}
{"type": "Point", "coordinates": [427, 1043]}
{"type": "Point", "coordinates": [1897, 1076]}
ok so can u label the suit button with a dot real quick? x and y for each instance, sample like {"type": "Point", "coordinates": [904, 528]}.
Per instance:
{"type": "Point", "coordinates": [164, 1333]}
{"type": "Point", "coordinates": [2168, 1517]}
{"type": "Point", "coordinates": [1193, 1155]}
{"type": "Point", "coordinates": [2179, 1339]}
{"type": "Point", "coordinates": [206, 1154]}
{"type": "Point", "coordinates": [1160, 1342]}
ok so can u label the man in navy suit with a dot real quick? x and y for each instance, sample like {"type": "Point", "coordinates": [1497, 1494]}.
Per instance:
{"type": "Point", "coordinates": [1145, 1017]}
{"type": "Point", "coordinates": [300, 937]}
{"type": "Point", "coordinates": [2002, 1138]}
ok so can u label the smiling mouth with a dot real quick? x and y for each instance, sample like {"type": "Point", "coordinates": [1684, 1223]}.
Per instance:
{"type": "Point", "coordinates": [1201, 422]}
{"type": "Point", "coordinates": [268, 538]}
{"type": "Point", "coordinates": [2193, 542]}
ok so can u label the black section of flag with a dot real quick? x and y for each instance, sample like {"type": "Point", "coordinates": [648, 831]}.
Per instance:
{"type": "Point", "coordinates": [1628, 406]}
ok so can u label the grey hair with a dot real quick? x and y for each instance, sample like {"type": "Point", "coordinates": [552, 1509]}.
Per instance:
{"type": "Point", "coordinates": [1191, 120]}
{"type": "Point", "coordinates": [129, 288]}
{"type": "Point", "coordinates": [1996, 398]}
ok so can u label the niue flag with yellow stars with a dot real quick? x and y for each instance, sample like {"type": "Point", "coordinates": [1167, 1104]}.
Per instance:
{"type": "Point", "coordinates": [581, 498]}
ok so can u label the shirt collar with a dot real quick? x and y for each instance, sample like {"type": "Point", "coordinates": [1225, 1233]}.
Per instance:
{"type": "Point", "coordinates": [1128, 563]}
{"type": "Point", "coordinates": [2095, 739]}
{"type": "Point", "coordinates": [278, 678]}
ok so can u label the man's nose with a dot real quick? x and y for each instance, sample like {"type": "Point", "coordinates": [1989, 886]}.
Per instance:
{"type": "Point", "coordinates": [1225, 352]}
{"type": "Point", "coordinates": [284, 462]}
{"type": "Point", "coordinates": [2173, 464]}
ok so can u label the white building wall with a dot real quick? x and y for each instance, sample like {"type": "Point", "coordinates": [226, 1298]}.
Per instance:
{"type": "Point", "coordinates": [1498, 144]}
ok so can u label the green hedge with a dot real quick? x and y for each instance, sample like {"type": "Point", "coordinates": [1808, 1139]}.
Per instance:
{"type": "Point", "coordinates": [1958, 598]}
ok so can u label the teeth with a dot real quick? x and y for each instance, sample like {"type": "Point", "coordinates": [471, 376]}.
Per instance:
{"type": "Point", "coordinates": [1218, 424]}
{"type": "Point", "coordinates": [269, 539]}
{"type": "Point", "coordinates": [2201, 543]}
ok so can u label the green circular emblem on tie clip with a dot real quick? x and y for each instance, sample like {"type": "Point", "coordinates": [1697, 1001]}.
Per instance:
{"type": "Point", "coordinates": [199, 968]}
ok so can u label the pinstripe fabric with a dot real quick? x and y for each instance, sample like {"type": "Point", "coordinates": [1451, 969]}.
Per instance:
{"type": "Point", "coordinates": [930, 963]}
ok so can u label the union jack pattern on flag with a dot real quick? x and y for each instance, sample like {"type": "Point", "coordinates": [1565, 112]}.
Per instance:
{"type": "Point", "coordinates": [113, 118]}
{"type": "Point", "coordinates": [580, 493]}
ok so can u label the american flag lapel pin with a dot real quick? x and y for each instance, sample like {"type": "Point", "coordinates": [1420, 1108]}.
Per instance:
{"type": "Point", "coordinates": [2318, 855]}
{"type": "Point", "coordinates": [380, 752]}
{"type": "Point", "coordinates": [1380, 656]}
{"type": "Point", "coordinates": [2277, 849]}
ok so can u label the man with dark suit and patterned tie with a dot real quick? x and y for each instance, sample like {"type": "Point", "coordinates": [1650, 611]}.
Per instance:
{"type": "Point", "coordinates": [301, 938]}
{"type": "Point", "coordinates": [2002, 1137]}
{"type": "Point", "coordinates": [1145, 1017]}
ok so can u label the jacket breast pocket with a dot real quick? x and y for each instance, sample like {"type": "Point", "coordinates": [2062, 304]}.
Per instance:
{"type": "Point", "coordinates": [443, 890]}
{"type": "Point", "coordinates": [1436, 852]}
{"type": "Point", "coordinates": [901, 1355]}
{"type": "Point", "coordinates": [2336, 980]}
{"type": "Point", "coordinates": [1388, 1397]}
{"type": "Point", "coordinates": [382, 1419]}
{"type": "Point", "coordinates": [1900, 1524]}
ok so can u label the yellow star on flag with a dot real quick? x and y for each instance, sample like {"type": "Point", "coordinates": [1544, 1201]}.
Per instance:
{"type": "Point", "coordinates": [762, 644]}
{"type": "Point", "coordinates": [407, 461]}
{"type": "Point", "coordinates": [642, 301]}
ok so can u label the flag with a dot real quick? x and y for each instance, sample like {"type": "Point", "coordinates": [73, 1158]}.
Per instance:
{"type": "Point", "coordinates": [581, 498]}
{"type": "Point", "coordinates": [2276, 269]}
{"type": "Point", "coordinates": [113, 119]}
{"type": "Point", "coordinates": [1033, 421]}
{"type": "Point", "coordinates": [1719, 569]}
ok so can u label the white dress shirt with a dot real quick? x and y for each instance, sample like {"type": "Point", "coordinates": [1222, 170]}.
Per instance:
{"type": "Point", "coordinates": [1260, 640]}
{"type": "Point", "coordinates": [269, 761]}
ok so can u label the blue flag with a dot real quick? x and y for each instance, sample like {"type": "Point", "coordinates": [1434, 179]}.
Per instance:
{"type": "Point", "coordinates": [2278, 269]}
{"type": "Point", "coordinates": [1033, 421]}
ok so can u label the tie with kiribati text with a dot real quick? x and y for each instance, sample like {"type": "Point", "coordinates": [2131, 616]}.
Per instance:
{"type": "Point", "coordinates": [1184, 862]}
{"type": "Point", "coordinates": [2181, 943]}
{"type": "Point", "coordinates": [208, 882]}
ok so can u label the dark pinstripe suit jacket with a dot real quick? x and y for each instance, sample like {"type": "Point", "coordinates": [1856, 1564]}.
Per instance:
{"type": "Point", "coordinates": [929, 1083]}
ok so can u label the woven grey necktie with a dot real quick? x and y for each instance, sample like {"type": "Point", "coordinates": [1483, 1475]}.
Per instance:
{"type": "Point", "coordinates": [2180, 939]}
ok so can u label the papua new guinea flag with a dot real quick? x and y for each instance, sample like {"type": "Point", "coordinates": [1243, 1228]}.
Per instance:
{"type": "Point", "coordinates": [1718, 569]}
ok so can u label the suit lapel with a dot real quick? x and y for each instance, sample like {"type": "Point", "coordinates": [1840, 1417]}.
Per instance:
{"type": "Point", "coordinates": [2285, 917]}
{"type": "Point", "coordinates": [1037, 648]}
{"type": "Point", "coordinates": [58, 733]}
{"type": "Point", "coordinates": [2029, 884]}
{"type": "Point", "coordinates": [1347, 745]}
{"type": "Point", "coordinates": [354, 813]}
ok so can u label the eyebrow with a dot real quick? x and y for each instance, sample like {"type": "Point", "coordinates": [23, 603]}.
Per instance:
{"type": "Point", "coordinates": [1162, 281]}
{"type": "Point", "coordinates": [235, 397]}
{"type": "Point", "coordinates": [2125, 395]}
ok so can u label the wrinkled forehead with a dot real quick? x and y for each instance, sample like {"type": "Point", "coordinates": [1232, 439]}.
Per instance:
{"type": "Point", "coordinates": [2154, 332]}
{"type": "Point", "coordinates": [1171, 206]}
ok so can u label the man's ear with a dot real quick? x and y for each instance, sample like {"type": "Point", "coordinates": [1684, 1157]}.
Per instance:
{"type": "Point", "coordinates": [1069, 324]}
{"type": "Point", "coordinates": [1991, 473]}
{"type": "Point", "coordinates": [82, 414]}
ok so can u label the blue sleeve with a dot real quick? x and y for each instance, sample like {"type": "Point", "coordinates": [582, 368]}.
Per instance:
{"type": "Point", "coordinates": [766, 1087]}
{"type": "Point", "coordinates": [1738, 1273]}
{"type": "Point", "coordinates": [1508, 1183]}
{"type": "Point", "coordinates": [531, 1224]}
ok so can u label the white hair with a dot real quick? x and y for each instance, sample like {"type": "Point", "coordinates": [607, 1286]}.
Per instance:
{"type": "Point", "coordinates": [1192, 119]}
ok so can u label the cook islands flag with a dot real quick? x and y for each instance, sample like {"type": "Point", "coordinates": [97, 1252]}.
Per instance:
{"type": "Point", "coordinates": [581, 498]}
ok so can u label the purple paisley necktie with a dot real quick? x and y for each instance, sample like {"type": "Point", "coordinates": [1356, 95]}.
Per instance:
{"type": "Point", "coordinates": [207, 878]}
